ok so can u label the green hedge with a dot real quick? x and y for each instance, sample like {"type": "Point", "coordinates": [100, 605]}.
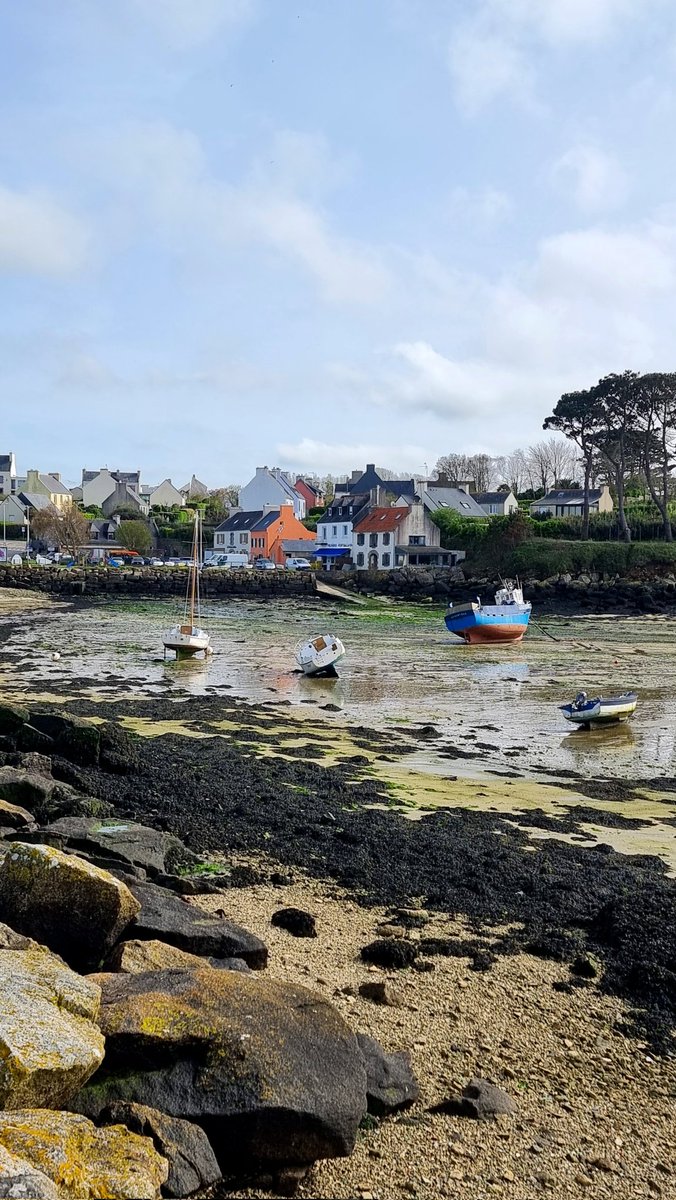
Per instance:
{"type": "Point", "coordinates": [539, 558]}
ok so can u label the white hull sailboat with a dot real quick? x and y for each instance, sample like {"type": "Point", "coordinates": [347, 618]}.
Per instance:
{"type": "Point", "coordinates": [319, 656]}
{"type": "Point", "coordinates": [188, 639]}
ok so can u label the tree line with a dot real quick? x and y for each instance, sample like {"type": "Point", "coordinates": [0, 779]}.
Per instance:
{"type": "Point", "coordinates": [623, 427]}
{"type": "Point", "coordinates": [548, 463]}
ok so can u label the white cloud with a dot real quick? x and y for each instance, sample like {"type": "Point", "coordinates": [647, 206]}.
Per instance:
{"type": "Point", "coordinates": [493, 54]}
{"type": "Point", "coordinates": [485, 66]}
{"type": "Point", "coordinates": [486, 207]}
{"type": "Point", "coordinates": [596, 180]}
{"type": "Point", "coordinates": [163, 172]}
{"type": "Point", "coordinates": [341, 458]}
{"type": "Point", "coordinates": [38, 236]}
{"type": "Point", "coordinates": [186, 23]}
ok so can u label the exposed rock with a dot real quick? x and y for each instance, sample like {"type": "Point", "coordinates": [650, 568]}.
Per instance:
{"type": "Point", "coordinates": [30, 739]}
{"type": "Point", "coordinates": [73, 907]}
{"type": "Point", "coordinates": [84, 1162]}
{"type": "Point", "coordinates": [9, 940]}
{"type": "Point", "coordinates": [110, 839]}
{"type": "Point", "coordinates": [12, 717]}
{"type": "Point", "coordinates": [135, 956]}
{"type": "Point", "coordinates": [269, 1070]}
{"type": "Point", "coordinates": [80, 743]}
{"type": "Point", "coordinates": [390, 1082]}
{"type": "Point", "coordinates": [479, 1099]}
{"type": "Point", "coordinates": [170, 919]}
{"type": "Point", "coordinates": [49, 1042]}
{"type": "Point", "coordinates": [186, 1147]}
{"type": "Point", "coordinates": [586, 966]}
{"type": "Point", "coordinates": [25, 788]}
{"type": "Point", "coordinates": [34, 763]}
{"type": "Point", "coordinates": [381, 991]}
{"type": "Point", "coordinates": [117, 749]}
{"type": "Point", "coordinates": [13, 817]}
{"type": "Point", "coordinates": [390, 953]}
{"type": "Point", "coordinates": [22, 1181]}
{"type": "Point", "coordinates": [199, 884]}
{"type": "Point", "coordinates": [295, 921]}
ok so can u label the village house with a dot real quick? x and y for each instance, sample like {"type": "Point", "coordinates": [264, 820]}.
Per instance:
{"type": "Point", "coordinates": [12, 510]}
{"type": "Point", "coordinates": [268, 488]}
{"type": "Point", "coordinates": [401, 535]}
{"type": "Point", "coordinates": [334, 527]}
{"type": "Point", "coordinates": [124, 496]}
{"type": "Point", "coordinates": [194, 489]}
{"type": "Point", "coordinates": [103, 538]}
{"type": "Point", "coordinates": [232, 535]}
{"type": "Point", "coordinates": [497, 504]}
{"type": "Point", "coordinates": [97, 486]}
{"type": "Point", "coordinates": [48, 485]}
{"type": "Point", "coordinates": [8, 474]}
{"type": "Point", "coordinates": [275, 527]}
{"type": "Point", "coordinates": [313, 496]}
{"type": "Point", "coordinates": [569, 502]}
{"type": "Point", "coordinates": [165, 495]}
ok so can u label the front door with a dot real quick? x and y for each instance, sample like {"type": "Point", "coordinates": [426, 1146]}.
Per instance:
{"type": "Point", "coordinates": [373, 561]}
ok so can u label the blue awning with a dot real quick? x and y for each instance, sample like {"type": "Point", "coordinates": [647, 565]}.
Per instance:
{"type": "Point", "coordinates": [331, 551]}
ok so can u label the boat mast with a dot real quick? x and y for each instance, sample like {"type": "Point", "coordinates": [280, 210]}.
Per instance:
{"type": "Point", "coordinates": [193, 569]}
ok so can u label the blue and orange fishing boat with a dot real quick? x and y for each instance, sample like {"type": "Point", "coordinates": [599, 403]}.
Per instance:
{"type": "Point", "coordinates": [504, 621]}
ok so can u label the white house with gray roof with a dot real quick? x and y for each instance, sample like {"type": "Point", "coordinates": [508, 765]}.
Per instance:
{"type": "Point", "coordinates": [271, 487]}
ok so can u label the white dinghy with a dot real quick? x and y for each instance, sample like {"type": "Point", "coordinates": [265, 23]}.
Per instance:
{"type": "Point", "coordinates": [319, 655]}
{"type": "Point", "coordinates": [188, 639]}
{"type": "Point", "coordinates": [601, 710]}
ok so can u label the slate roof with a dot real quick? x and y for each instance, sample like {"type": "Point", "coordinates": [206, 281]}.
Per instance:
{"type": "Point", "coordinates": [240, 521]}
{"type": "Point", "coordinates": [54, 485]}
{"type": "Point", "coordinates": [491, 497]}
{"type": "Point", "coordinates": [569, 496]}
{"type": "Point", "coordinates": [6, 462]}
{"type": "Point", "coordinates": [441, 497]}
{"type": "Point", "coordinates": [380, 520]}
{"type": "Point", "coordinates": [36, 500]}
{"type": "Point", "coordinates": [339, 509]}
{"type": "Point", "coordinates": [298, 546]}
{"type": "Point", "coordinates": [266, 521]}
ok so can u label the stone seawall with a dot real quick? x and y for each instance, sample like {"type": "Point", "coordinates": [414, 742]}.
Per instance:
{"type": "Point", "coordinates": [564, 594]}
{"type": "Point", "coordinates": [149, 581]}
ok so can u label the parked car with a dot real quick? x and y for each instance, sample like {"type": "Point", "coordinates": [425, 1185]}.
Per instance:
{"type": "Point", "coordinates": [264, 564]}
{"type": "Point", "coordinates": [236, 562]}
{"type": "Point", "coordinates": [137, 561]}
{"type": "Point", "coordinates": [298, 564]}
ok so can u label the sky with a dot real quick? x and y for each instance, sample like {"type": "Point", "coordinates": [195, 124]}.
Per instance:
{"type": "Point", "coordinates": [315, 234]}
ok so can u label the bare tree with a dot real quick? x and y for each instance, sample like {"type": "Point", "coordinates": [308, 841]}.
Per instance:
{"type": "Point", "coordinates": [68, 529]}
{"type": "Point", "coordinates": [517, 471]}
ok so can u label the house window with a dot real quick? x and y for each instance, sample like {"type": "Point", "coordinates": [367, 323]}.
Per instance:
{"type": "Point", "coordinates": [344, 530]}
{"type": "Point", "coordinates": [492, 508]}
{"type": "Point", "coordinates": [373, 539]}
{"type": "Point", "coordinates": [360, 539]}
{"type": "Point", "coordinates": [416, 540]}
{"type": "Point", "coordinates": [386, 539]}
{"type": "Point", "coordinates": [386, 558]}
{"type": "Point", "coordinates": [360, 560]}
{"type": "Point", "coordinates": [242, 539]}
{"type": "Point", "coordinates": [413, 560]}
{"type": "Point", "coordinates": [334, 530]}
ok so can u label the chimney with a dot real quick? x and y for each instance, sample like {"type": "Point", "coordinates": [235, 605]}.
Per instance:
{"type": "Point", "coordinates": [355, 476]}
{"type": "Point", "coordinates": [55, 475]}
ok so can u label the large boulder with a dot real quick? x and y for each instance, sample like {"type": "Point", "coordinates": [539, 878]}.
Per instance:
{"type": "Point", "coordinates": [50, 1043]}
{"type": "Point", "coordinates": [12, 717]}
{"type": "Point", "coordinates": [84, 1162]}
{"type": "Point", "coordinates": [118, 749]}
{"type": "Point", "coordinates": [125, 842]}
{"type": "Point", "coordinates": [70, 905]}
{"type": "Point", "coordinates": [269, 1070]}
{"type": "Point", "coordinates": [28, 789]}
{"type": "Point", "coordinates": [20, 1180]}
{"type": "Point", "coordinates": [168, 918]}
{"type": "Point", "coordinates": [192, 1162]}
{"type": "Point", "coordinates": [13, 818]}
{"type": "Point", "coordinates": [136, 956]}
{"type": "Point", "coordinates": [390, 1082]}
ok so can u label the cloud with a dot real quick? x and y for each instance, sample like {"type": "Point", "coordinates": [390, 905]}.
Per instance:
{"type": "Point", "coordinates": [487, 207]}
{"type": "Point", "coordinates": [595, 180]}
{"type": "Point", "coordinates": [38, 236]}
{"type": "Point", "coordinates": [341, 458]}
{"type": "Point", "coordinates": [187, 23]}
{"type": "Point", "coordinates": [493, 54]}
{"type": "Point", "coordinates": [485, 66]}
{"type": "Point", "coordinates": [164, 174]}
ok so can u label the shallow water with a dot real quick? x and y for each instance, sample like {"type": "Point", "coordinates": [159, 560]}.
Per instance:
{"type": "Point", "coordinates": [496, 707]}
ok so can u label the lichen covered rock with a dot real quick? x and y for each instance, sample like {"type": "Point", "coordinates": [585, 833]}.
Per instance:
{"type": "Point", "coordinates": [192, 1162]}
{"type": "Point", "coordinates": [20, 1180]}
{"type": "Point", "coordinates": [73, 907]}
{"type": "Point", "coordinates": [136, 956]}
{"type": "Point", "coordinates": [269, 1070]}
{"type": "Point", "coordinates": [85, 1163]}
{"type": "Point", "coordinates": [49, 1042]}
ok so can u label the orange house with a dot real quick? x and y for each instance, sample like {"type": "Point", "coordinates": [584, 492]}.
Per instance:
{"type": "Point", "coordinates": [277, 525]}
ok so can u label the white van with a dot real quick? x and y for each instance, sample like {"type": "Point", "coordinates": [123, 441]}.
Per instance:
{"type": "Point", "coordinates": [235, 562]}
{"type": "Point", "coordinates": [298, 564]}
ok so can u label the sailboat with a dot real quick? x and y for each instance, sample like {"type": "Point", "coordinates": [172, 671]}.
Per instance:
{"type": "Point", "coordinates": [188, 638]}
